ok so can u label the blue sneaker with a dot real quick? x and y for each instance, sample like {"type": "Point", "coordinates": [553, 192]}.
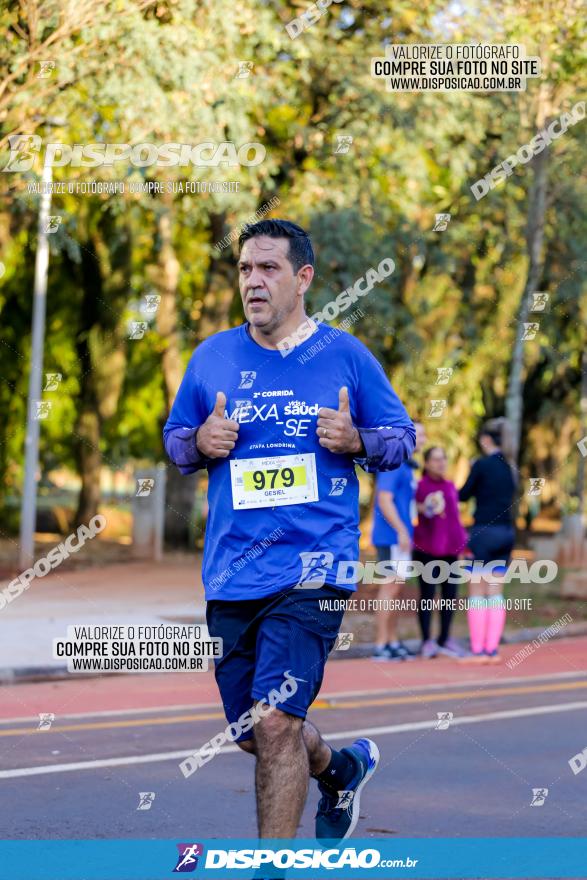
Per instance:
{"type": "Point", "coordinates": [338, 811]}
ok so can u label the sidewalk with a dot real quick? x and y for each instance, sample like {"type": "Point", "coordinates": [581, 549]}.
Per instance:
{"type": "Point", "coordinates": [135, 593]}
{"type": "Point", "coordinates": [130, 593]}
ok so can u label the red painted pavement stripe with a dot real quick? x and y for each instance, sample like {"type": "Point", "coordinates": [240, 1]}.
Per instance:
{"type": "Point", "coordinates": [150, 691]}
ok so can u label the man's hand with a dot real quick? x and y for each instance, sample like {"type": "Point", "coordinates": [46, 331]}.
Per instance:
{"type": "Point", "coordinates": [335, 428]}
{"type": "Point", "coordinates": [217, 437]}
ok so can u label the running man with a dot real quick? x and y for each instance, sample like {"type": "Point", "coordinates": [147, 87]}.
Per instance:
{"type": "Point", "coordinates": [280, 434]}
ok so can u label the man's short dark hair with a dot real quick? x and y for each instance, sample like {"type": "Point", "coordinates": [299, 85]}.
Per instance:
{"type": "Point", "coordinates": [301, 252]}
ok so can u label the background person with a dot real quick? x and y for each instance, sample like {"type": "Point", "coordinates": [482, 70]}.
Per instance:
{"type": "Point", "coordinates": [392, 538]}
{"type": "Point", "coordinates": [438, 536]}
{"type": "Point", "coordinates": [492, 483]}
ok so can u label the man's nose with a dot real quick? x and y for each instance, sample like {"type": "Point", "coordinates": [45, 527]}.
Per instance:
{"type": "Point", "coordinates": [255, 279]}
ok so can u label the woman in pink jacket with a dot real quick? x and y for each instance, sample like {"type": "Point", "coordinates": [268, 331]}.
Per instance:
{"type": "Point", "coordinates": [439, 537]}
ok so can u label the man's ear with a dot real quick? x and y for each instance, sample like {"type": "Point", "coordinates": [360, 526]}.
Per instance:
{"type": "Point", "coordinates": [304, 278]}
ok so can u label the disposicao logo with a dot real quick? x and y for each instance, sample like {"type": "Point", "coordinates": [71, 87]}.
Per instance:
{"type": "Point", "coordinates": [187, 860]}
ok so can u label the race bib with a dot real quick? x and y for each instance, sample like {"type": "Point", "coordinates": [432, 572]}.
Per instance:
{"type": "Point", "coordinates": [273, 481]}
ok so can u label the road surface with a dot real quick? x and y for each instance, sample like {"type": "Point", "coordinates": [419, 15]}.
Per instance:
{"type": "Point", "coordinates": [512, 731]}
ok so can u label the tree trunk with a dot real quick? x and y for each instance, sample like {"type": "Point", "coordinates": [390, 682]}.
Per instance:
{"type": "Point", "coordinates": [88, 424]}
{"type": "Point", "coordinates": [580, 484]}
{"type": "Point", "coordinates": [168, 276]}
{"type": "Point", "coordinates": [180, 490]}
{"type": "Point", "coordinates": [180, 493]}
{"type": "Point", "coordinates": [221, 286]}
{"type": "Point", "coordinates": [105, 266]}
{"type": "Point", "coordinates": [89, 459]}
{"type": "Point", "coordinates": [514, 405]}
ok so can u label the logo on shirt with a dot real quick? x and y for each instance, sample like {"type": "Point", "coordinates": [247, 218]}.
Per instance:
{"type": "Point", "coordinates": [188, 857]}
{"type": "Point", "coordinates": [300, 408]}
{"type": "Point", "coordinates": [280, 392]}
{"type": "Point", "coordinates": [247, 378]}
{"type": "Point", "coordinates": [434, 504]}
{"type": "Point", "coordinates": [315, 564]}
{"type": "Point", "coordinates": [276, 412]}
{"type": "Point", "coordinates": [338, 485]}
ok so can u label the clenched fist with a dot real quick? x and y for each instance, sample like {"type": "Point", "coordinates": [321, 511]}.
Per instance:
{"type": "Point", "coordinates": [217, 437]}
{"type": "Point", "coordinates": [335, 429]}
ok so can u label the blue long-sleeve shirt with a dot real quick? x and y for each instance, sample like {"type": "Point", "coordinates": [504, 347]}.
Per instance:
{"type": "Point", "coordinates": [280, 496]}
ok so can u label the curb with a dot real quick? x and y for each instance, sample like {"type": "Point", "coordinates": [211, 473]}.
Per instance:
{"type": "Point", "coordinates": [26, 674]}
{"type": "Point", "coordinates": [365, 649]}
{"type": "Point", "coordinates": [29, 674]}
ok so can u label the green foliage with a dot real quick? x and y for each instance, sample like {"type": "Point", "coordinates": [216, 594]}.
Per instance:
{"type": "Point", "coordinates": [133, 72]}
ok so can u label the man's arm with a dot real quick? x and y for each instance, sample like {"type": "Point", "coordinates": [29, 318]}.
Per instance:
{"type": "Point", "coordinates": [382, 448]}
{"type": "Point", "coordinates": [180, 445]}
{"type": "Point", "coordinates": [385, 428]}
{"type": "Point", "coordinates": [386, 448]}
{"type": "Point", "coordinates": [389, 511]}
{"type": "Point", "coordinates": [191, 448]}
{"type": "Point", "coordinates": [187, 414]}
{"type": "Point", "coordinates": [192, 408]}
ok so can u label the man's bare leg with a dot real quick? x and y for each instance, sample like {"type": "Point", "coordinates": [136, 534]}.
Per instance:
{"type": "Point", "coordinates": [288, 751]}
{"type": "Point", "coordinates": [281, 774]}
{"type": "Point", "coordinates": [318, 751]}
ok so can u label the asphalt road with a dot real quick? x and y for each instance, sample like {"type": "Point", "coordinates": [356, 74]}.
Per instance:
{"type": "Point", "coordinates": [512, 731]}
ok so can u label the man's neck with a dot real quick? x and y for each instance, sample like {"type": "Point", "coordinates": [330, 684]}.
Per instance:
{"type": "Point", "coordinates": [286, 331]}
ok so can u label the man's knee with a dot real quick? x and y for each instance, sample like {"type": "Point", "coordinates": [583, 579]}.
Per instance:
{"type": "Point", "coordinates": [277, 727]}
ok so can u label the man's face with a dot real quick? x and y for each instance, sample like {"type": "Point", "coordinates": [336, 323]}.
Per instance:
{"type": "Point", "coordinates": [268, 285]}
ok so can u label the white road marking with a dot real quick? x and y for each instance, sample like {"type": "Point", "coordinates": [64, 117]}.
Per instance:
{"type": "Point", "coordinates": [344, 734]}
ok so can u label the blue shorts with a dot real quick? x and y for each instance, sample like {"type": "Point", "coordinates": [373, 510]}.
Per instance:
{"type": "Point", "coordinates": [265, 638]}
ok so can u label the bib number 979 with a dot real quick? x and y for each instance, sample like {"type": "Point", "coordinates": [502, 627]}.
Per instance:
{"type": "Point", "coordinates": [273, 480]}
{"type": "Point", "coordinates": [281, 478]}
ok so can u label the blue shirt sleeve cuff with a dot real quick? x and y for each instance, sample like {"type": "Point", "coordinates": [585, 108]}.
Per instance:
{"type": "Point", "coordinates": [373, 443]}
{"type": "Point", "coordinates": [180, 445]}
{"type": "Point", "coordinates": [386, 448]}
